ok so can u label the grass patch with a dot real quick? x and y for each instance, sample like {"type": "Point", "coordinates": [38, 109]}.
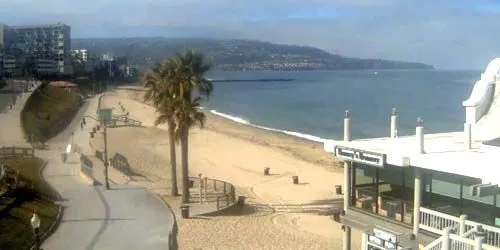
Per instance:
{"type": "Point", "coordinates": [48, 111]}
{"type": "Point", "coordinates": [29, 168]}
{"type": "Point", "coordinates": [15, 228]}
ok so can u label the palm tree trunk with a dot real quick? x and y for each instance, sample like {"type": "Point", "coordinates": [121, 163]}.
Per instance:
{"type": "Point", "coordinates": [173, 161]}
{"type": "Point", "coordinates": [184, 163]}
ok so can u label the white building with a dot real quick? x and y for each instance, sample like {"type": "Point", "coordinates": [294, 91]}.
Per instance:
{"type": "Point", "coordinates": [434, 191]}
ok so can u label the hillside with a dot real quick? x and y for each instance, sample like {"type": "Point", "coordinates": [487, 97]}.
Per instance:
{"type": "Point", "coordinates": [236, 54]}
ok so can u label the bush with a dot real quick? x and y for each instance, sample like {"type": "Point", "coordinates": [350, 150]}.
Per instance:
{"type": "Point", "coordinates": [3, 83]}
{"type": "Point", "coordinates": [47, 112]}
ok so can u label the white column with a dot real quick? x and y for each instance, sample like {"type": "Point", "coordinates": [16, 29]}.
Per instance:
{"type": "Point", "coordinates": [417, 200]}
{"type": "Point", "coordinates": [479, 243]}
{"type": "Point", "coordinates": [364, 239]}
{"type": "Point", "coordinates": [419, 133]}
{"type": "Point", "coordinates": [468, 135]}
{"type": "Point", "coordinates": [347, 184]}
{"type": "Point", "coordinates": [346, 240]}
{"type": "Point", "coordinates": [347, 126]}
{"type": "Point", "coordinates": [394, 123]}
{"type": "Point", "coordinates": [446, 240]}
{"type": "Point", "coordinates": [461, 229]}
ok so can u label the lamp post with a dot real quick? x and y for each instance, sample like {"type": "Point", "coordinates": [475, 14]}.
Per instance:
{"type": "Point", "coordinates": [106, 164]}
{"type": "Point", "coordinates": [35, 224]}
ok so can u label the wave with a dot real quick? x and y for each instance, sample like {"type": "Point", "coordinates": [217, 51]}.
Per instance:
{"type": "Point", "coordinates": [246, 122]}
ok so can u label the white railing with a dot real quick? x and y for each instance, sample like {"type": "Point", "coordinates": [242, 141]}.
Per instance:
{"type": "Point", "coordinates": [492, 234]}
{"type": "Point", "coordinates": [436, 222]}
{"type": "Point", "coordinates": [435, 245]}
{"type": "Point", "coordinates": [461, 243]}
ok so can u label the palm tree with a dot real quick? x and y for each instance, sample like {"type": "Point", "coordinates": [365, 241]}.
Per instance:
{"type": "Point", "coordinates": [186, 86]}
{"type": "Point", "coordinates": [154, 81]}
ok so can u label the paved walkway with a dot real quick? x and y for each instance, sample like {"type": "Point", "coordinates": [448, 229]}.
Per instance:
{"type": "Point", "coordinates": [125, 217]}
{"type": "Point", "coordinates": [11, 133]}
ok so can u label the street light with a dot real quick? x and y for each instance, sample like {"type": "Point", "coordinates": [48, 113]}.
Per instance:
{"type": "Point", "coordinates": [106, 163]}
{"type": "Point", "coordinates": [35, 224]}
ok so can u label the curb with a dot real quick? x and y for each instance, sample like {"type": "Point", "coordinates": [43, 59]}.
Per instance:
{"type": "Point", "coordinates": [172, 237]}
{"type": "Point", "coordinates": [60, 210]}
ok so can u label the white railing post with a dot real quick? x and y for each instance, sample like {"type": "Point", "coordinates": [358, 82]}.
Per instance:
{"type": "Point", "coordinates": [446, 240]}
{"type": "Point", "coordinates": [462, 227]}
{"type": "Point", "coordinates": [394, 123]}
{"type": "Point", "coordinates": [419, 133]}
{"type": "Point", "coordinates": [478, 243]}
{"type": "Point", "coordinates": [201, 188]}
{"type": "Point", "coordinates": [364, 239]}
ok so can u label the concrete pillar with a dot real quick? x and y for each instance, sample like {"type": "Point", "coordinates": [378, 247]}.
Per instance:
{"type": "Point", "coordinates": [468, 135]}
{"type": "Point", "coordinates": [478, 243]}
{"type": "Point", "coordinates": [446, 240]}
{"type": "Point", "coordinates": [347, 126]}
{"type": "Point", "coordinates": [417, 200]}
{"type": "Point", "coordinates": [461, 229]}
{"type": "Point", "coordinates": [364, 239]}
{"type": "Point", "coordinates": [346, 240]}
{"type": "Point", "coordinates": [394, 123]}
{"type": "Point", "coordinates": [419, 133]}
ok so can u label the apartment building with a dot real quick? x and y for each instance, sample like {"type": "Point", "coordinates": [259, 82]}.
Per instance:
{"type": "Point", "coordinates": [45, 49]}
{"type": "Point", "coordinates": [427, 191]}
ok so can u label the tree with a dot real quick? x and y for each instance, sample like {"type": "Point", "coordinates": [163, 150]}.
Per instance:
{"type": "Point", "coordinates": [184, 89]}
{"type": "Point", "coordinates": [154, 80]}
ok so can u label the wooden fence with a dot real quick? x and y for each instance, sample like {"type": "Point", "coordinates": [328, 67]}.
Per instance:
{"type": "Point", "coordinates": [17, 151]}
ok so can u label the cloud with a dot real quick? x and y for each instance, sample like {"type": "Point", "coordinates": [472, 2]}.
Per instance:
{"type": "Point", "coordinates": [446, 33]}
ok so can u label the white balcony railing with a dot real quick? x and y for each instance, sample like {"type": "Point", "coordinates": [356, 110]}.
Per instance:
{"type": "Point", "coordinates": [463, 236]}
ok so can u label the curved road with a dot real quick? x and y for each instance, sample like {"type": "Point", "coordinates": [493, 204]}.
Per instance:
{"type": "Point", "coordinates": [125, 217]}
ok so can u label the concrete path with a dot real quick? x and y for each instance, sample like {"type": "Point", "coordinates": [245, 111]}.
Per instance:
{"type": "Point", "coordinates": [11, 133]}
{"type": "Point", "coordinates": [125, 217]}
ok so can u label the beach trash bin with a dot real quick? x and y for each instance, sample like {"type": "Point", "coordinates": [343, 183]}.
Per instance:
{"type": "Point", "coordinates": [241, 200]}
{"type": "Point", "coordinates": [266, 171]}
{"type": "Point", "coordinates": [336, 216]}
{"type": "Point", "coordinates": [185, 211]}
{"type": "Point", "coordinates": [338, 189]}
{"type": "Point", "coordinates": [191, 183]}
{"type": "Point", "coordinates": [91, 134]}
{"type": "Point", "coordinates": [64, 157]}
{"type": "Point", "coordinates": [98, 127]}
{"type": "Point", "coordinates": [295, 179]}
{"type": "Point", "coordinates": [93, 130]}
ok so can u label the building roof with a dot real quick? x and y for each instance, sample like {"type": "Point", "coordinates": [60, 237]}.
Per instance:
{"type": "Point", "coordinates": [448, 152]}
{"type": "Point", "coordinates": [33, 26]}
{"type": "Point", "coordinates": [63, 84]}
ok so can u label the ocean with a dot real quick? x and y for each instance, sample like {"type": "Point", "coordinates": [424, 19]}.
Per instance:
{"type": "Point", "coordinates": [313, 105]}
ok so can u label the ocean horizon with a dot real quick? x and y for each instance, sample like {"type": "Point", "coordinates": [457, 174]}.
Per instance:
{"type": "Point", "coordinates": [312, 106]}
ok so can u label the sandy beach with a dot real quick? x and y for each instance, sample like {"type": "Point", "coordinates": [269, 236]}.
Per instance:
{"type": "Point", "coordinates": [238, 154]}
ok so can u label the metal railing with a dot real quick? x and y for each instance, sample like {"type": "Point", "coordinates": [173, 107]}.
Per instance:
{"type": "Point", "coordinates": [222, 193]}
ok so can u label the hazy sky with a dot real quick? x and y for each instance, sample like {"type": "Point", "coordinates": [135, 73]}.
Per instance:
{"type": "Point", "coordinates": [445, 33]}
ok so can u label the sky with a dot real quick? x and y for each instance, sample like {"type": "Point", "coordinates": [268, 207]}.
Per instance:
{"type": "Point", "coordinates": [449, 34]}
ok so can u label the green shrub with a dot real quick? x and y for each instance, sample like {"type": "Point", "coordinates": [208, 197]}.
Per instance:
{"type": "Point", "coordinates": [47, 112]}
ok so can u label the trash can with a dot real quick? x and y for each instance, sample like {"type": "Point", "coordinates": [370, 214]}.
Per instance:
{"type": "Point", "coordinates": [266, 171]}
{"type": "Point", "coordinates": [64, 157]}
{"type": "Point", "coordinates": [241, 200]}
{"type": "Point", "coordinates": [191, 183]}
{"type": "Point", "coordinates": [338, 189]}
{"type": "Point", "coordinates": [91, 134]}
{"type": "Point", "coordinates": [336, 216]}
{"type": "Point", "coordinates": [185, 211]}
{"type": "Point", "coordinates": [295, 179]}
